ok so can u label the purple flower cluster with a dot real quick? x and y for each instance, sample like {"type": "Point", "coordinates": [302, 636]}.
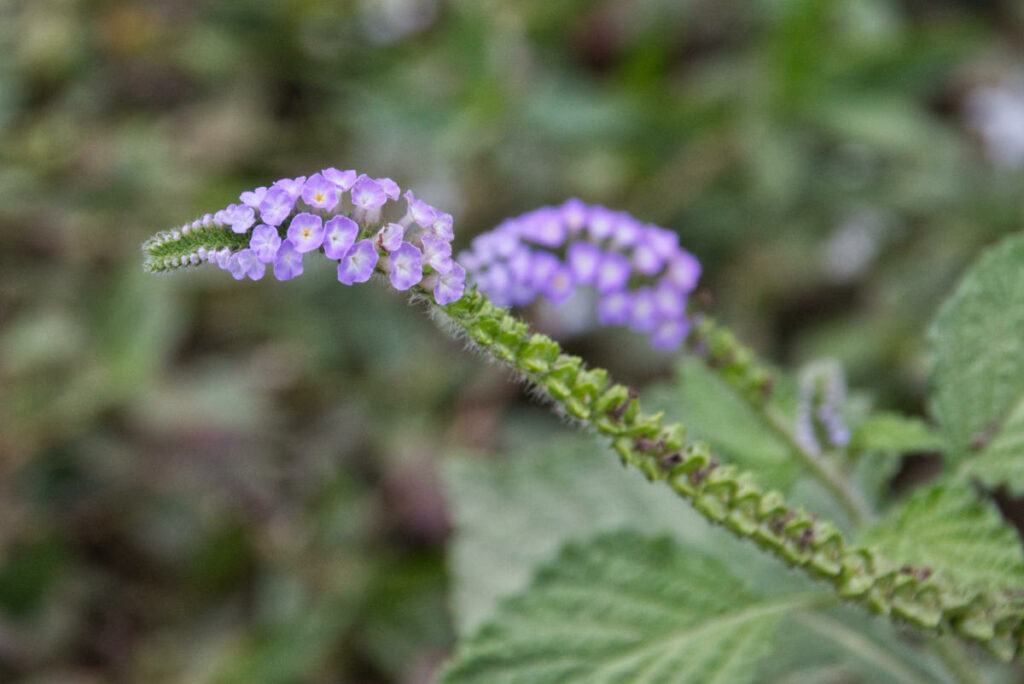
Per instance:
{"type": "Point", "coordinates": [641, 274]}
{"type": "Point", "coordinates": [340, 214]}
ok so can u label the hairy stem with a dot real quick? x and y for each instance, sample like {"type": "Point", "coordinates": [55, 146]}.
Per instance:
{"type": "Point", "coordinates": [731, 498]}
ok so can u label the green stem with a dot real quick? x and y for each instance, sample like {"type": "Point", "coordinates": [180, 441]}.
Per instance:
{"type": "Point", "coordinates": [731, 498]}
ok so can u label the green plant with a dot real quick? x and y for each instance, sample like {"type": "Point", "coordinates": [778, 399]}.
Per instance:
{"type": "Point", "coordinates": [622, 600]}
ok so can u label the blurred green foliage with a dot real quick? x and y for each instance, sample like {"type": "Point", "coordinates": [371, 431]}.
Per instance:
{"type": "Point", "coordinates": [202, 480]}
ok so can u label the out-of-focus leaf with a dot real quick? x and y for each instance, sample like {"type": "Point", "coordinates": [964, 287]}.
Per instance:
{"type": "Point", "coordinates": [294, 650]}
{"type": "Point", "coordinates": [977, 341]}
{"type": "Point", "coordinates": [510, 516]}
{"type": "Point", "coordinates": [895, 433]}
{"type": "Point", "coordinates": [625, 608]}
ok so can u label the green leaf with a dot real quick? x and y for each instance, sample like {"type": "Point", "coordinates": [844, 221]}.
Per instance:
{"type": "Point", "coordinates": [510, 515]}
{"type": "Point", "coordinates": [948, 529]}
{"type": "Point", "coordinates": [895, 433]}
{"type": "Point", "coordinates": [625, 608]}
{"type": "Point", "coordinates": [879, 443]}
{"type": "Point", "coordinates": [513, 514]}
{"type": "Point", "coordinates": [1002, 461]}
{"type": "Point", "coordinates": [977, 343]}
{"type": "Point", "coordinates": [713, 412]}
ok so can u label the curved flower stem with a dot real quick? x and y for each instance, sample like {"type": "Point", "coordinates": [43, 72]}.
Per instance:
{"type": "Point", "coordinates": [752, 380]}
{"type": "Point", "coordinates": [726, 496]}
{"type": "Point", "coordinates": [845, 492]}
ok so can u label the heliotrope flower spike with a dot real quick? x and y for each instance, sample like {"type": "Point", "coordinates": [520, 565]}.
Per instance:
{"type": "Point", "coordinates": [642, 276]}
{"type": "Point", "coordinates": [361, 223]}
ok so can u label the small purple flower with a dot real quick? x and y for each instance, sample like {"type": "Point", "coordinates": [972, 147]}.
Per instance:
{"type": "Point", "coordinates": [520, 265]}
{"type": "Point", "coordinates": [627, 231]}
{"type": "Point", "coordinates": [668, 300]}
{"type": "Point", "coordinates": [470, 260]}
{"type": "Point", "coordinates": [684, 270]}
{"type": "Point", "coordinates": [663, 241]}
{"type": "Point", "coordinates": [574, 215]}
{"type": "Point", "coordinates": [496, 282]}
{"type": "Point", "coordinates": [450, 285]}
{"type": "Point", "coordinates": [358, 263]}
{"type": "Point", "coordinates": [389, 187]}
{"type": "Point", "coordinates": [277, 204]}
{"type": "Point", "coordinates": [244, 263]}
{"type": "Point", "coordinates": [343, 179]}
{"type": "Point", "coordinates": [406, 266]}
{"type": "Point", "coordinates": [545, 227]}
{"type": "Point", "coordinates": [560, 285]}
{"type": "Point", "coordinates": [239, 217]}
{"type": "Point", "coordinates": [221, 257]}
{"type": "Point", "coordinates": [340, 234]}
{"type": "Point", "coordinates": [613, 308]}
{"type": "Point", "coordinates": [254, 197]}
{"type": "Point", "coordinates": [646, 258]}
{"type": "Point", "coordinates": [442, 227]}
{"type": "Point", "coordinates": [293, 186]}
{"type": "Point", "coordinates": [306, 232]}
{"type": "Point", "coordinates": [835, 429]}
{"type": "Point", "coordinates": [483, 246]}
{"type": "Point", "coordinates": [389, 238]}
{"type": "Point", "coordinates": [602, 222]}
{"type": "Point", "coordinates": [643, 314]}
{"type": "Point", "coordinates": [613, 273]}
{"type": "Point", "coordinates": [235, 267]}
{"type": "Point", "coordinates": [520, 294]}
{"type": "Point", "coordinates": [419, 212]}
{"type": "Point", "coordinates": [670, 333]}
{"type": "Point", "coordinates": [437, 253]}
{"type": "Point", "coordinates": [505, 240]}
{"type": "Point", "coordinates": [288, 262]}
{"type": "Point", "coordinates": [368, 194]}
{"type": "Point", "coordinates": [543, 268]}
{"type": "Point", "coordinates": [264, 243]}
{"type": "Point", "coordinates": [584, 260]}
{"type": "Point", "coordinates": [320, 193]}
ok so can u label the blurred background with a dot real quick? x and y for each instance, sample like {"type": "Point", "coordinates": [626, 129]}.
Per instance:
{"type": "Point", "coordinates": [204, 480]}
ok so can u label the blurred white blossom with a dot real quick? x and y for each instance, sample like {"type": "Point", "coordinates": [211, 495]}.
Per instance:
{"type": "Point", "coordinates": [386, 21]}
{"type": "Point", "coordinates": [996, 114]}
{"type": "Point", "coordinates": [854, 244]}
